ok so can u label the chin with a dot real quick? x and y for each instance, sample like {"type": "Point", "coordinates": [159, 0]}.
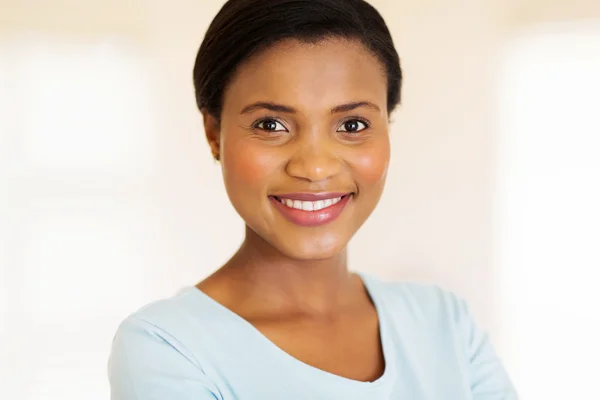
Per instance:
{"type": "Point", "coordinates": [313, 250]}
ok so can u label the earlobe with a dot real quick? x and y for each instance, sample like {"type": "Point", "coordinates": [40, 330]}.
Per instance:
{"type": "Point", "coordinates": [213, 134]}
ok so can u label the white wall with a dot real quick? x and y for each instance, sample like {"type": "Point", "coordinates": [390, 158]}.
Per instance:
{"type": "Point", "coordinates": [109, 197]}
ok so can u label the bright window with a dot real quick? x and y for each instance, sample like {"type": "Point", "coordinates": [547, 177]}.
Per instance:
{"type": "Point", "coordinates": [548, 212]}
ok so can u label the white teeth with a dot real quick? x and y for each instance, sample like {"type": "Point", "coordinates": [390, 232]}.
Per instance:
{"type": "Point", "coordinates": [310, 205]}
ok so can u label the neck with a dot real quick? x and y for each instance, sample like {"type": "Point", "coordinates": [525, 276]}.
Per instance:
{"type": "Point", "coordinates": [259, 272]}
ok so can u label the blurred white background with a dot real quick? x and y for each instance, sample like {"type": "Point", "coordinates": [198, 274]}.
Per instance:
{"type": "Point", "coordinates": [109, 198]}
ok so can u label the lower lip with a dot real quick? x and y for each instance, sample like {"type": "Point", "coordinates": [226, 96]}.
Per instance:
{"type": "Point", "coordinates": [311, 218]}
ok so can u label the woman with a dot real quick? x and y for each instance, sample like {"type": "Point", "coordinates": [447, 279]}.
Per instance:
{"type": "Point", "coordinates": [296, 97]}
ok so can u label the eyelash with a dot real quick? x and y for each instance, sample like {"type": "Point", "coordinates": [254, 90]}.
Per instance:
{"type": "Point", "coordinates": [267, 119]}
{"type": "Point", "coordinates": [366, 123]}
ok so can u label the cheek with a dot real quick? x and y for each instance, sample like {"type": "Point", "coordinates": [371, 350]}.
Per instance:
{"type": "Point", "coordinates": [245, 165]}
{"type": "Point", "coordinates": [371, 165]}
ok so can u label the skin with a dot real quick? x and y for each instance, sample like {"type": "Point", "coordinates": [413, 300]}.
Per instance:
{"type": "Point", "coordinates": [292, 283]}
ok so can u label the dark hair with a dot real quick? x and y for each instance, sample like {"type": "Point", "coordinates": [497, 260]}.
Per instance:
{"type": "Point", "coordinates": [245, 27]}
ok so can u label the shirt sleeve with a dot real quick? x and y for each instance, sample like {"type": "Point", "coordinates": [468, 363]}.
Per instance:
{"type": "Point", "coordinates": [147, 363]}
{"type": "Point", "coordinates": [488, 378]}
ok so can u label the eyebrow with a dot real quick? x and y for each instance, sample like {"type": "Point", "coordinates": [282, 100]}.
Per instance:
{"type": "Point", "coordinates": [290, 110]}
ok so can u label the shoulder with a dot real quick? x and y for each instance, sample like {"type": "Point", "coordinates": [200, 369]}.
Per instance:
{"type": "Point", "coordinates": [179, 326]}
{"type": "Point", "coordinates": [418, 300]}
{"type": "Point", "coordinates": [157, 324]}
{"type": "Point", "coordinates": [151, 352]}
{"type": "Point", "coordinates": [171, 319]}
{"type": "Point", "coordinates": [168, 310]}
{"type": "Point", "coordinates": [429, 317]}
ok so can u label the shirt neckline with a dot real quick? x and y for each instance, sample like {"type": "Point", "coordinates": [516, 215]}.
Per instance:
{"type": "Point", "coordinates": [315, 372]}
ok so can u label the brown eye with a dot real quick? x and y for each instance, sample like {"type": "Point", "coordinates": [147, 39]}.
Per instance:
{"type": "Point", "coordinates": [353, 126]}
{"type": "Point", "coordinates": [270, 125]}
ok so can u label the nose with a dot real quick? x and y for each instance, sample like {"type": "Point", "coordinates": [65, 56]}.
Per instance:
{"type": "Point", "coordinates": [314, 161]}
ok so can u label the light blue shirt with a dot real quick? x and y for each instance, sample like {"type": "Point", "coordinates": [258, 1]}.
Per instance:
{"type": "Point", "coordinates": [190, 347]}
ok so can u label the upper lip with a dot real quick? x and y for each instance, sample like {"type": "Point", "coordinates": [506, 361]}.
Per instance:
{"type": "Point", "coordinates": [311, 196]}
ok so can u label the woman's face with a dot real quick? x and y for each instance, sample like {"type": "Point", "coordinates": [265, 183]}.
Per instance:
{"type": "Point", "coordinates": [302, 126]}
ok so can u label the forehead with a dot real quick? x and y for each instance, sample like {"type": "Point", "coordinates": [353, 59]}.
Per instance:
{"type": "Point", "coordinates": [309, 76]}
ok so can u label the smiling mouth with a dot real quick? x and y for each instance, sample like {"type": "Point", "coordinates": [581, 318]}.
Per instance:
{"type": "Point", "coordinates": [304, 205]}
{"type": "Point", "coordinates": [311, 210]}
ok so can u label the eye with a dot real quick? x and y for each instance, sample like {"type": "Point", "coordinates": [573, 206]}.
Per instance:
{"type": "Point", "coordinates": [353, 126]}
{"type": "Point", "coordinates": [270, 125]}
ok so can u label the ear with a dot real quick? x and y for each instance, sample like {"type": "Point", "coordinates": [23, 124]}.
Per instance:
{"type": "Point", "coordinates": [213, 134]}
